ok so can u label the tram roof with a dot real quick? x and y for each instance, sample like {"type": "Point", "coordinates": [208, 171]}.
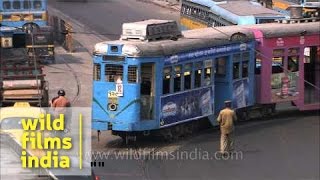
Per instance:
{"type": "Point", "coordinates": [208, 37]}
{"type": "Point", "coordinates": [239, 11]}
{"type": "Point", "coordinates": [248, 8]}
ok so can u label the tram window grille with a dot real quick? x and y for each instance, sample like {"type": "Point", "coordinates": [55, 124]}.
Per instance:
{"type": "Point", "coordinates": [37, 5]}
{"type": "Point", "coordinates": [26, 4]}
{"type": "Point", "coordinates": [16, 5]}
{"type": "Point", "coordinates": [112, 72]}
{"type": "Point", "coordinates": [132, 74]}
{"type": "Point", "coordinates": [96, 72]}
{"type": "Point", "coordinates": [245, 69]}
{"type": "Point", "coordinates": [6, 5]}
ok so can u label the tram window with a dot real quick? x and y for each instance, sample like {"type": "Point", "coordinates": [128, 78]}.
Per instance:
{"type": "Point", "coordinates": [278, 52]}
{"type": "Point", "coordinates": [132, 74]}
{"type": "Point", "coordinates": [26, 4]}
{"type": "Point", "coordinates": [187, 76]}
{"type": "Point", "coordinates": [207, 76]}
{"type": "Point", "coordinates": [236, 58]}
{"type": "Point", "coordinates": [236, 70]}
{"type": "Point", "coordinates": [245, 69]}
{"type": "Point", "coordinates": [207, 72]}
{"type": "Point", "coordinates": [177, 79]}
{"type": "Point", "coordinates": [6, 5]}
{"type": "Point", "coordinates": [96, 72]}
{"type": "Point", "coordinates": [145, 87]}
{"type": "Point", "coordinates": [293, 63]}
{"type": "Point", "coordinates": [258, 66]}
{"type": "Point", "coordinates": [16, 5]}
{"type": "Point", "coordinates": [277, 65]}
{"type": "Point", "coordinates": [221, 66]}
{"type": "Point", "coordinates": [293, 51]}
{"type": "Point", "coordinates": [37, 4]}
{"type": "Point", "coordinates": [113, 72]}
{"type": "Point", "coordinates": [166, 81]}
{"type": "Point", "coordinates": [197, 75]}
{"type": "Point", "coordinates": [257, 62]}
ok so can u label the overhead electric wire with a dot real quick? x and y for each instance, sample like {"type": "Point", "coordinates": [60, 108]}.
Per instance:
{"type": "Point", "coordinates": [227, 35]}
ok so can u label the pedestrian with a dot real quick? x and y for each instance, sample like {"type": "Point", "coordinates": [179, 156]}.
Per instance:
{"type": "Point", "coordinates": [52, 100]}
{"type": "Point", "coordinates": [61, 105]}
{"type": "Point", "coordinates": [226, 120]}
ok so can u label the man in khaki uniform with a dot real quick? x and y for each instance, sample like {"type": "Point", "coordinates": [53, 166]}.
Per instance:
{"type": "Point", "coordinates": [226, 119]}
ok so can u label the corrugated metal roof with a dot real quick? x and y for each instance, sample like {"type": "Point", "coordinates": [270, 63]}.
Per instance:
{"type": "Point", "coordinates": [246, 8]}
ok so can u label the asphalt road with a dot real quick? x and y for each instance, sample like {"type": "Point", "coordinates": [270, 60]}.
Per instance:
{"type": "Point", "coordinates": [283, 148]}
{"type": "Point", "coordinates": [107, 16]}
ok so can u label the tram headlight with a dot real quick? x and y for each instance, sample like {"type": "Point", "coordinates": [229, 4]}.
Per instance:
{"type": "Point", "coordinates": [112, 106]}
{"type": "Point", "coordinates": [6, 42]}
{"type": "Point", "coordinates": [131, 50]}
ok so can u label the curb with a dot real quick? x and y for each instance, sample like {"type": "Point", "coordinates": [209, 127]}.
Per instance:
{"type": "Point", "coordinates": [166, 5]}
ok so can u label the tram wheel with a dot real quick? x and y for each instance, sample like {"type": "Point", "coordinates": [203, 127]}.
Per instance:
{"type": "Point", "coordinates": [244, 115]}
{"type": "Point", "coordinates": [167, 135]}
{"type": "Point", "coordinates": [188, 128]}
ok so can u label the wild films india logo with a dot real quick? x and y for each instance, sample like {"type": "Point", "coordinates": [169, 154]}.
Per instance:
{"type": "Point", "coordinates": [45, 143]}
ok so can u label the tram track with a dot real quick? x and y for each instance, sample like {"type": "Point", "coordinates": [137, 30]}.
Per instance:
{"type": "Point", "coordinates": [73, 73]}
{"type": "Point", "coordinates": [78, 82]}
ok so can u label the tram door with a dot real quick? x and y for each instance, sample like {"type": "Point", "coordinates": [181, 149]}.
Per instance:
{"type": "Point", "coordinates": [311, 75]}
{"type": "Point", "coordinates": [147, 91]}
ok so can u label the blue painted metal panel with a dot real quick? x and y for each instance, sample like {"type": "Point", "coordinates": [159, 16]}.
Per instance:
{"type": "Point", "coordinates": [240, 95]}
{"type": "Point", "coordinates": [213, 51]}
{"type": "Point", "coordinates": [186, 106]}
{"type": "Point", "coordinates": [174, 108]}
{"type": "Point", "coordinates": [19, 24]}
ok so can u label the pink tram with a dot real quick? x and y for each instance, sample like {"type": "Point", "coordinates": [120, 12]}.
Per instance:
{"type": "Point", "coordinates": [288, 64]}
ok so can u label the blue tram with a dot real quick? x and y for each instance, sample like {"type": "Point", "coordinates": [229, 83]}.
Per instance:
{"type": "Point", "coordinates": [32, 17]}
{"type": "Point", "coordinates": [197, 14]}
{"type": "Point", "coordinates": [24, 13]}
{"type": "Point", "coordinates": [154, 79]}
